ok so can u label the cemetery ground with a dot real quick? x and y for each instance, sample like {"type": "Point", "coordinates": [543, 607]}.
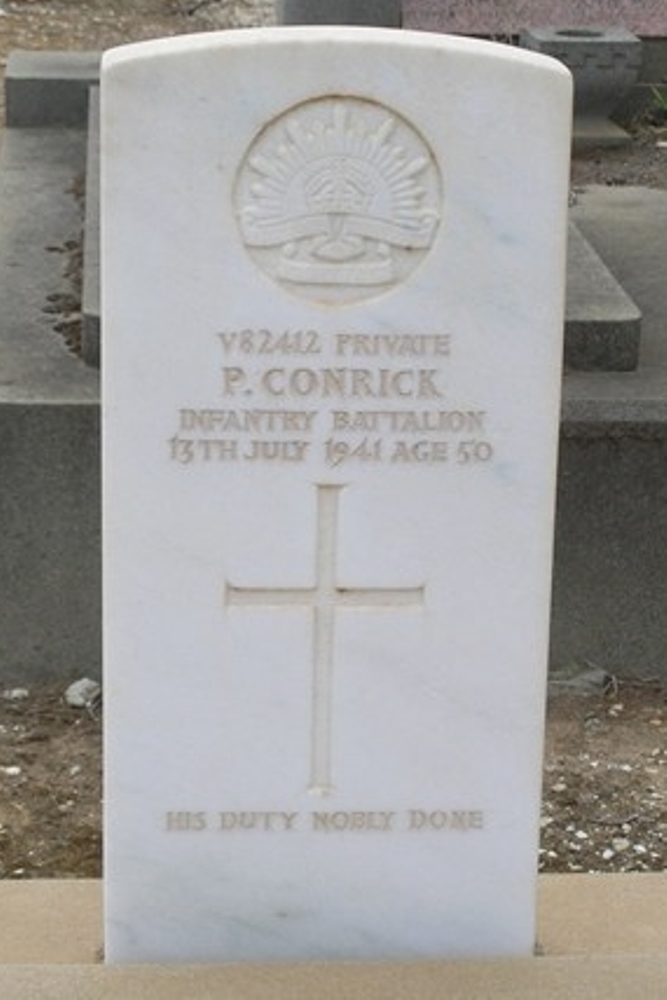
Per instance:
{"type": "Point", "coordinates": [605, 777]}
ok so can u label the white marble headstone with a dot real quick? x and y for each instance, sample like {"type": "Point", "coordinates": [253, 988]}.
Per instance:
{"type": "Point", "coordinates": [333, 291]}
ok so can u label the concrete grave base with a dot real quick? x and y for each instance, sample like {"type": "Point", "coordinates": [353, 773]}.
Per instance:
{"type": "Point", "coordinates": [603, 937]}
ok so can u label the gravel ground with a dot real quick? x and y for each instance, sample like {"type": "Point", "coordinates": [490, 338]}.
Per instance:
{"type": "Point", "coordinates": [605, 779]}
{"type": "Point", "coordinates": [643, 163]}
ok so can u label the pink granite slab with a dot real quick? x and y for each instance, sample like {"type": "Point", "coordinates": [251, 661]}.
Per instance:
{"type": "Point", "coordinates": [491, 17]}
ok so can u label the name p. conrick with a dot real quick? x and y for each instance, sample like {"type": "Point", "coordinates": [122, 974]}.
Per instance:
{"type": "Point", "coordinates": [335, 383]}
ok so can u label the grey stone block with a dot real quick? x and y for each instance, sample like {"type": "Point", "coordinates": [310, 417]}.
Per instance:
{"type": "Point", "coordinates": [654, 60]}
{"type": "Point", "coordinates": [605, 62]}
{"type": "Point", "coordinates": [610, 571]}
{"type": "Point", "coordinates": [50, 547]}
{"type": "Point", "coordinates": [639, 104]}
{"type": "Point", "coordinates": [49, 414]}
{"type": "Point", "coordinates": [379, 13]}
{"type": "Point", "coordinates": [602, 323]}
{"type": "Point", "coordinates": [627, 226]}
{"type": "Point", "coordinates": [90, 333]}
{"type": "Point", "coordinates": [610, 566]}
{"type": "Point", "coordinates": [45, 89]}
{"type": "Point", "coordinates": [41, 173]}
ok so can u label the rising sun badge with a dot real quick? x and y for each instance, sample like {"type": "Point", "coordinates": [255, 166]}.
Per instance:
{"type": "Point", "coordinates": [338, 199]}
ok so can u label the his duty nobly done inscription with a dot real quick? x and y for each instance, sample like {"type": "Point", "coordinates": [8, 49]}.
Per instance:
{"type": "Point", "coordinates": [320, 821]}
{"type": "Point", "coordinates": [332, 276]}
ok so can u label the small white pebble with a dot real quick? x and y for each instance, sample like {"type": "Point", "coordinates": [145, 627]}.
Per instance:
{"type": "Point", "coordinates": [12, 770]}
{"type": "Point", "coordinates": [82, 693]}
{"type": "Point", "coordinates": [15, 694]}
{"type": "Point", "coordinates": [620, 843]}
{"type": "Point", "coordinates": [581, 835]}
{"type": "Point", "coordinates": [639, 849]}
{"type": "Point", "coordinates": [625, 828]}
{"type": "Point", "coordinates": [74, 770]}
{"type": "Point", "coordinates": [560, 786]}
{"type": "Point", "coordinates": [608, 854]}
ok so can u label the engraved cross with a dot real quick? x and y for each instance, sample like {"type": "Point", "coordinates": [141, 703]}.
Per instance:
{"type": "Point", "coordinates": [324, 599]}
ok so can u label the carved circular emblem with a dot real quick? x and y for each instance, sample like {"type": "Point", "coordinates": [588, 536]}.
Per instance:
{"type": "Point", "coordinates": [338, 199]}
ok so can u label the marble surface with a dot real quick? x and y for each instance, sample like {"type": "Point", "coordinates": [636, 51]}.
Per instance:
{"type": "Point", "coordinates": [333, 312]}
{"type": "Point", "coordinates": [485, 17]}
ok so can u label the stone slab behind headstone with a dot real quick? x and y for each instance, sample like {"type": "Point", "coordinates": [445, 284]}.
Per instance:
{"type": "Point", "coordinates": [49, 421]}
{"type": "Point", "coordinates": [330, 474]}
{"type": "Point", "coordinates": [49, 89]}
{"type": "Point", "coordinates": [602, 323]}
{"type": "Point", "coordinates": [610, 585]}
{"type": "Point", "coordinates": [90, 332]}
{"type": "Point", "coordinates": [509, 17]}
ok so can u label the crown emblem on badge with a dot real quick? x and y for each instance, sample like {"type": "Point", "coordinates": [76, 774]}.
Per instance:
{"type": "Point", "coordinates": [333, 192]}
